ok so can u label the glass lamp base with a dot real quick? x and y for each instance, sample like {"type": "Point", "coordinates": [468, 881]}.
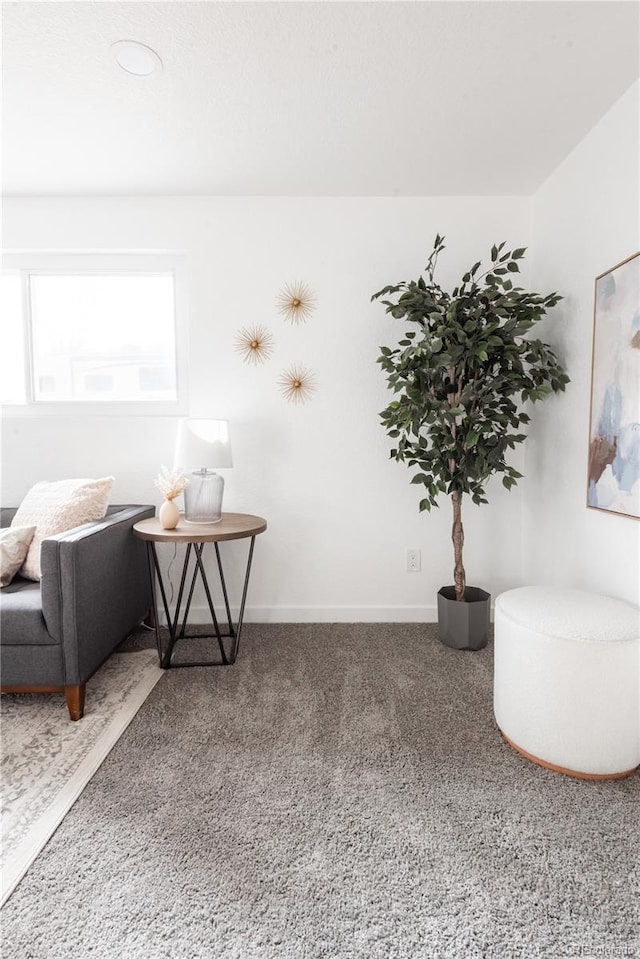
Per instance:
{"type": "Point", "coordinates": [203, 497]}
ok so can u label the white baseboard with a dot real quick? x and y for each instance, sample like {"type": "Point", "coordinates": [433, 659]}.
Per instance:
{"type": "Point", "coordinates": [199, 615]}
{"type": "Point", "coordinates": [322, 614]}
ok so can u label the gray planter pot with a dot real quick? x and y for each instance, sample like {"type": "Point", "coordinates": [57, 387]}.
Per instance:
{"type": "Point", "coordinates": [464, 625]}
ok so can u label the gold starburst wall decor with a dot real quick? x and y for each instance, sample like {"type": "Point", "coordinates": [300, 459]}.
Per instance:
{"type": "Point", "coordinates": [297, 384]}
{"type": "Point", "coordinates": [296, 302]}
{"type": "Point", "coordinates": [255, 343]}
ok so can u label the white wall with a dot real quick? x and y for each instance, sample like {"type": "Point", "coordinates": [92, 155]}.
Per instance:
{"type": "Point", "coordinates": [586, 219]}
{"type": "Point", "coordinates": [340, 513]}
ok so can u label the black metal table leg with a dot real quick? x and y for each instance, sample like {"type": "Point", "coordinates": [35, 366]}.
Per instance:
{"type": "Point", "coordinates": [178, 630]}
{"type": "Point", "coordinates": [236, 644]}
{"type": "Point", "coordinates": [224, 591]}
{"type": "Point", "coordinates": [173, 626]}
{"type": "Point", "coordinates": [214, 618]}
{"type": "Point", "coordinates": [152, 561]}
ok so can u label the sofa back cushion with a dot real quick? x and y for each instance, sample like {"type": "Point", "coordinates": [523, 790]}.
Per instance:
{"type": "Point", "coordinates": [56, 507]}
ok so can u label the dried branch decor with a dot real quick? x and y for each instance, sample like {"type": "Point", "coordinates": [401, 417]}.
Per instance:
{"type": "Point", "coordinates": [255, 343]}
{"type": "Point", "coordinates": [297, 384]}
{"type": "Point", "coordinates": [296, 302]}
{"type": "Point", "coordinates": [170, 483]}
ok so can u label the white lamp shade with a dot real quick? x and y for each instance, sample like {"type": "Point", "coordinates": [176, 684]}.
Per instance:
{"type": "Point", "coordinates": [203, 444]}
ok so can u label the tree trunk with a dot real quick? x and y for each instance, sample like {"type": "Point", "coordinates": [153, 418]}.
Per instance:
{"type": "Point", "coordinates": [457, 535]}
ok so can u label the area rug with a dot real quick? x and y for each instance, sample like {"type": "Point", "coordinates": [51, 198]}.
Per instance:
{"type": "Point", "coordinates": [47, 760]}
{"type": "Point", "coordinates": [340, 792]}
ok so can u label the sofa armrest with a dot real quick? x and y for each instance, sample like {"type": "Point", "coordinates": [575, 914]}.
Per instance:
{"type": "Point", "coordinates": [95, 588]}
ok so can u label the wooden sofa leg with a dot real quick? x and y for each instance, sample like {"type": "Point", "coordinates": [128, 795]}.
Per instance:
{"type": "Point", "coordinates": [75, 700]}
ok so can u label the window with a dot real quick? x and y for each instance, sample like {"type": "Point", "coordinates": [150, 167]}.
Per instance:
{"type": "Point", "coordinates": [98, 331]}
{"type": "Point", "coordinates": [12, 354]}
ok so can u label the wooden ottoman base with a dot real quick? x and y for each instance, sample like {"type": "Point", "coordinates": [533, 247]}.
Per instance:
{"type": "Point", "coordinates": [561, 769]}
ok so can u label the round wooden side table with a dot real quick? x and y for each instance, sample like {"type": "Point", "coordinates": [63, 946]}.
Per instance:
{"type": "Point", "coordinates": [196, 535]}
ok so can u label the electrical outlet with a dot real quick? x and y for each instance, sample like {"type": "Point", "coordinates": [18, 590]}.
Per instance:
{"type": "Point", "coordinates": [414, 560]}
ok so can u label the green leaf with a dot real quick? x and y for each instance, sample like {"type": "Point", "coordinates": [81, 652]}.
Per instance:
{"type": "Point", "coordinates": [460, 375]}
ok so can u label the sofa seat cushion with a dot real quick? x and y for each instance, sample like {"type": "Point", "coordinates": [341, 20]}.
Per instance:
{"type": "Point", "coordinates": [21, 619]}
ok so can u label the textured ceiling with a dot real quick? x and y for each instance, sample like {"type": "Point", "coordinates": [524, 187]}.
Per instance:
{"type": "Point", "coordinates": [307, 98]}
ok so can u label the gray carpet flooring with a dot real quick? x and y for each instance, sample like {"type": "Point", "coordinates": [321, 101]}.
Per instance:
{"type": "Point", "coordinates": [340, 792]}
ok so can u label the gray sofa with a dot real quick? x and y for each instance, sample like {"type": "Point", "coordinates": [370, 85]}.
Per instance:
{"type": "Point", "coordinates": [95, 589]}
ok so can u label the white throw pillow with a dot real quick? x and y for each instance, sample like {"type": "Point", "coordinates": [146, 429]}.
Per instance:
{"type": "Point", "coordinates": [56, 507]}
{"type": "Point", "coordinates": [14, 546]}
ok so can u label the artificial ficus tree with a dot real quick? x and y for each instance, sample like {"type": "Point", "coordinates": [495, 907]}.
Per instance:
{"type": "Point", "coordinates": [460, 375]}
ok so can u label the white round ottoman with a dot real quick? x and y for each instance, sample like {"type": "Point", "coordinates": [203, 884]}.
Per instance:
{"type": "Point", "coordinates": [567, 675]}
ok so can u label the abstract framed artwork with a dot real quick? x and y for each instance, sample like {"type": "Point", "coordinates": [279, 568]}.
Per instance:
{"type": "Point", "coordinates": [614, 426]}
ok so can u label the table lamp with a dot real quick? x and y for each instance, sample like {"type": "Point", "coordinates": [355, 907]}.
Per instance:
{"type": "Point", "coordinates": [202, 446]}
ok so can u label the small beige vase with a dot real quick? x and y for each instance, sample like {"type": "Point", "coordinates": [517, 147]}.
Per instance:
{"type": "Point", "coordinates": [168, 514]}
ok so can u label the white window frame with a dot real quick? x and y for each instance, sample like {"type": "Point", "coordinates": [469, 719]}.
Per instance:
{"type": "Point", "coordinates": [28, 263]}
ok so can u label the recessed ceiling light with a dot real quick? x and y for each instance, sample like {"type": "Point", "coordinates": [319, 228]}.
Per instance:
{"type": "Point", "coordinates": [136, 58]}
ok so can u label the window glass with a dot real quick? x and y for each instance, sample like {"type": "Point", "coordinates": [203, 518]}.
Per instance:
{"type": "Point", "coordinates": [12, 358]}
{"type": "Point", "coordinates": [103, 337]}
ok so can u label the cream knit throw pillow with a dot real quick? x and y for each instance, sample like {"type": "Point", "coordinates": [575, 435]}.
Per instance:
{"type": "Point", "coordinates": [56, 507]}
{"type": "Point", "coordinates": [14, 545]}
